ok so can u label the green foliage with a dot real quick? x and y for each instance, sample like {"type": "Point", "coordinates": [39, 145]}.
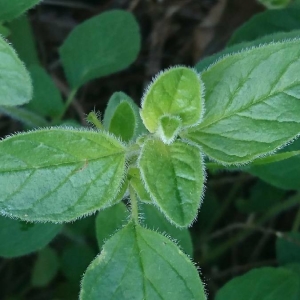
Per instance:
{"type": "Point", "coordinates": [263, 284]}
{"type": "Point", "coordinates": [17, 240]}
{"type": "Point", "coordinates": [22, 39]}
{"type": "Point", "coordinates": [14, 8]}
{"type": "Point", "coordinates": [109, 221]}
{"type": "Point", "coordinates": [122, 117]}
{"type": "Point", "coordinates": [83, 167]}
{"type": "Point", "coordinates": [46, 100]}
{"type": "Point", "coordinates": [266, 23]}
{"type": "Point", "coordinates": [174, 176]}
{"type": "Point", "coordinates": [176, 92]}
{"type": "Point", "coordinates": [242, 127]}
{"type": "Point", "coordinates": [241, 105]}
{"type": "Point", "coordinates": [16, 88]}
{"type": "Point", "coordinates": [127, 259]}
{"type": "Point", "coordinates": [153, 219]}
{"type": "Point", "coordinates": [100, 52]}
{"type": "Point", "coordinates": [283, 174]}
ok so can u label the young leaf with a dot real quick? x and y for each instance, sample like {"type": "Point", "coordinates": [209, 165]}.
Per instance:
{"type": "Point", "coordinates": [136, 182]}
{"type": "Point", "coordinates": [263, 284]}
{"type": "Point", "coordinates": [15, 83]}
{"type": "Point", "coordinates": [122, 123]}
{"type": "Point", "coordinates": [260, 107]}
{"type": "Point", "coordinates": [127, 125]}
{"type": "Point", "coordinates": [45, 268]}
{"type": "Point", "coordinates": [110, 220]}
{"type": "Point", "coordinates": [288, 251]}
{"type": "Point", "coordinates": [176, 92]}
{"type": "Point", "coordinates": [174, 177]}
{"type": "Point", "coordinates": [109, 43]}
{"type": "Point", "coordinates": [155, 220]}
{"type": "Point", "coordinates": [16, 240]}
{"type": "Point", "coordinates": [13, 8]}
{"type": "Point", "coordinates": [59, 174]}
{"type": "Point", "coordinates": [169, 127]}
{"type": "Point", "coordinates": [267, 22]}
{"type": "Point", "coordinates": [137, 263]}
{"type": "Point", "coordinates": [46, 99]}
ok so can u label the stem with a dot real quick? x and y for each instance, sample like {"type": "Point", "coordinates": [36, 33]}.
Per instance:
{"type": "Point", "coordinates": [92, 118]}
{"type": "Point", "coordinates": [68, 102]}
{"type": "Point", "coordinates": [134, 205]}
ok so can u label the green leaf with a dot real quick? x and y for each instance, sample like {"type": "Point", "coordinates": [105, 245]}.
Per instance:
{"type": "Point", "coordinates": [46, 99]}
{"type": "Point", "coordinates": [176, 92]}
{"type": "Point", "coordinates": [236, 48]}
{"type": "Point", "coordinates": [59, 174]}
{"type": "Point", "coordinates": [15, 83]}
{"type": "Point", "coordinates": [137, 263]}
{"type": "Point", "coordinates": [267, 22]}
{"type": "Point", "coordinates": [260, 107]}
{"type": "Point", "coordinates": [23, 40]}
{"type": "Point", "coordinates": [109, 43]}
{"type": "Point", "coordinates": [75, 259]}
{"type": "Point", "coordinates": [155, 220]}
{"type": "Point", "coordinates": [122, 117]}
{"type": "Point", "coordinates": [288, 248]}
{"type": "Point", "coordinates": [169, 127]}
{"type": "Point", "coordinates": [283, 174]}
{"type": "Point", "coordinates": [45, 268]}
{"type": "Point", "coordinates": [263, 284]}
{"type": "Point", "coordinates": [13, 8]}
{"type": "Point", "coordinates": [110, 220]}
{"type": "Point", "coordinates": [174, 177]}
{"type": "Point", "coordinates": [136, 182]}
{"type": "Point", "coordinates": [123, 122]}
{"type": "Point", "coordinates": [17, 240]}
{"type": "Point", "coordinates": [29, 118]}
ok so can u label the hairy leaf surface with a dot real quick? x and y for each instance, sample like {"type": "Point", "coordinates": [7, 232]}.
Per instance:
{"type": "Point", "coordinates": [59, 174]}
{"type": "Point", "coordinates": [137, 263]}
{"type": "Point", "coordinates": [15, 83]}
{"type": "Point", "coordinates": [252, 103]}
{"type": "Point", "coordinates": [176, 92]}
{"type": "Point", "coordinates": [174, 177]}
{"type": "Point", "coordinates": [109, 43]}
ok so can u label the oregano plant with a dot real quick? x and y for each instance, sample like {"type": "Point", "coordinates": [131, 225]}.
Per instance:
{"type": "Point", "coordinates": [138, 163]}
